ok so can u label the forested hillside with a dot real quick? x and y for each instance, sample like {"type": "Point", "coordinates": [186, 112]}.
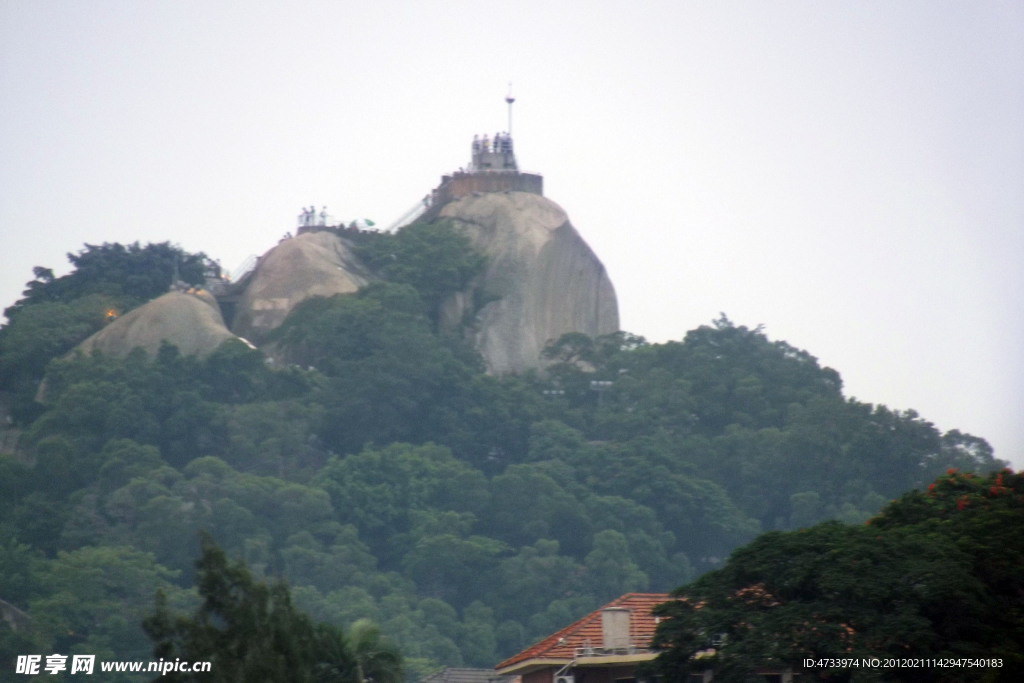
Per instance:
{"type": "Point", "coordinates": [385, 476]}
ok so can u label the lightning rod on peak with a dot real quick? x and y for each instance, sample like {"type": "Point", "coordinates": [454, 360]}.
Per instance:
{"type": "Point", "coordinates": [510, 100]}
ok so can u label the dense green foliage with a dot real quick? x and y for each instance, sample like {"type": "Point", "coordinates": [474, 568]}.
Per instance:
{"type": "Point", "coordinates": [134, 274]}
{"type": "Point", "coordinates": [57, 313]}
{"type": "Point", "coordinates": [938, 574]}
{"type": "Point", "coordinates": [87, 601]}
{"type": "Point", "coordinates": [387, 478]}
{"type": "Point", "coordinates": [433, 258]}
{"type": "Point", "coordinates": [250, 631]}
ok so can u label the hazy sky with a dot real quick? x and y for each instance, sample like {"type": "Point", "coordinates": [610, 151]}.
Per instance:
{"type": "Point", "coordinates": [848, 174]}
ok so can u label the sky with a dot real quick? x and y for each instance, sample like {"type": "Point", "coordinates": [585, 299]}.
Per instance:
{"type": "Point", "coordinates": [850, 175]}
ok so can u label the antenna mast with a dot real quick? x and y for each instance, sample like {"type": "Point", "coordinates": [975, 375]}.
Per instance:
{"type": "Point", "coordinates": [510, 100]}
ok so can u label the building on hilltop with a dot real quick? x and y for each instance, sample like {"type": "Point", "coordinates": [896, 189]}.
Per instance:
{"type": "Point", "coordinates": [492, 168]}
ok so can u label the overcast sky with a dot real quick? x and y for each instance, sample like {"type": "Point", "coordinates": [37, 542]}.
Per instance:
{"type": "Point", "coordinates": [848, 174]}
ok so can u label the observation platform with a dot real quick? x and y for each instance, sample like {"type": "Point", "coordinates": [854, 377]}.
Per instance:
{"type": "Point", "coordinates": [492, 168]}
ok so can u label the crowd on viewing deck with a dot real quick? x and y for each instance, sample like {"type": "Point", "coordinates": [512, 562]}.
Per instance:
{"type": "Point", "coordinates": [309, 217]}
{"type": "Point", "coordinates": [501, 142]}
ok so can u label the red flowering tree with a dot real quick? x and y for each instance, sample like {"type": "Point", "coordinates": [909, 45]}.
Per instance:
{"type": "Point", "coordinates": [937, 574]}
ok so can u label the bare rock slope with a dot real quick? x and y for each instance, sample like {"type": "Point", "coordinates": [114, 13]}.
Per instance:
{"type": "Point", "coordinates": [546, 279]}
{"type": "Point", "coordinates": [312, 264]}
{"type": "Point", "coordinates": [189, 320]}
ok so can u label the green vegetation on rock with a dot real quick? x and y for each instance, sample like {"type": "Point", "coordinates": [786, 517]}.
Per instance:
{"type": "Point", "coordinates": [433, 258]}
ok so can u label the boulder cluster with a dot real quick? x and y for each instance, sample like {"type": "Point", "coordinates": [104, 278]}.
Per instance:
{"type": "Point", "coordinates": [541, 281]}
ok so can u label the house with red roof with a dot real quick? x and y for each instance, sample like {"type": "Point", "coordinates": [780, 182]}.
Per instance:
{"type": "Point", "coordinates": [603, 647]}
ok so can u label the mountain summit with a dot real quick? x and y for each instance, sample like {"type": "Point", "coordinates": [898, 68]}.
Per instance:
{"type": "Point", "coordinates": [541, 280]}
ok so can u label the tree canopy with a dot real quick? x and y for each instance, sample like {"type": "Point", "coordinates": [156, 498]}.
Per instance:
{"type": "Point", "coordinates": [937, 574]}
{"type": "Point", "coordinates": [434, 258]}
{"type": "Point", "coordinates": [250, 631]}
{"type": "Point", "coordinates": [133, 274]}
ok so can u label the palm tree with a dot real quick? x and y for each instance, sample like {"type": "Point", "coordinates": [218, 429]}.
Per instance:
{"type": "Point", "coordinates": [377, 658]}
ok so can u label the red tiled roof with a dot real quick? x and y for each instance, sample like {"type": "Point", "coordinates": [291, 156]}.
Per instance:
{"type": "Point", "coordinates": [562, 644]}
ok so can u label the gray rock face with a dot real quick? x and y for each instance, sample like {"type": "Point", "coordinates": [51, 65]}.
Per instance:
{"type": "Point", "coordinates": [312, 264]}
{"type": "Point", "coordinates": [189, 320]}
{"type": "Point", "coordinates": [547, 280]}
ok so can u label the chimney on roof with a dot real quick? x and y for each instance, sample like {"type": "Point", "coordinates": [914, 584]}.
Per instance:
{"type": "Point", "coordinates": [615, 628]}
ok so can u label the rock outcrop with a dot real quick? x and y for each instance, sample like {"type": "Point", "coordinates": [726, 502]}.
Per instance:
{"type": "Point", "coordinates": [544, 279]}
{"type": "Point", "coordinates": [189, 320]}
{"type": "Point", "coordinates": [312, 264]}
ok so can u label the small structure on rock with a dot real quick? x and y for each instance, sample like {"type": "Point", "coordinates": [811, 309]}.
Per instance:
{"type": "Point", "coordinates": [492, 168]}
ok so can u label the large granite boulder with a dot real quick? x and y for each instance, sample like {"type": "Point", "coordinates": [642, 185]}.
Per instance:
{"type": "Point", "coordinates": [189, 320]}
{"type": "Point", "coordinates": [544, 279]}
{"type": "Point", "coordinates": [312, 264]}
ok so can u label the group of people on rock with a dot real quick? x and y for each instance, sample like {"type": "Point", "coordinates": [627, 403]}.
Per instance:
{"type": "Point", "coordinates": [309, 217]}
{"type": "Point", "coordinates": [501, 143]}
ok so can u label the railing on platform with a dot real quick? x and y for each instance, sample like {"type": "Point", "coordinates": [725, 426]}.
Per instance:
{"type": "Point", "coordinates": [244, 268]}
{"type": "Point", "coordinates": [409, 216]}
